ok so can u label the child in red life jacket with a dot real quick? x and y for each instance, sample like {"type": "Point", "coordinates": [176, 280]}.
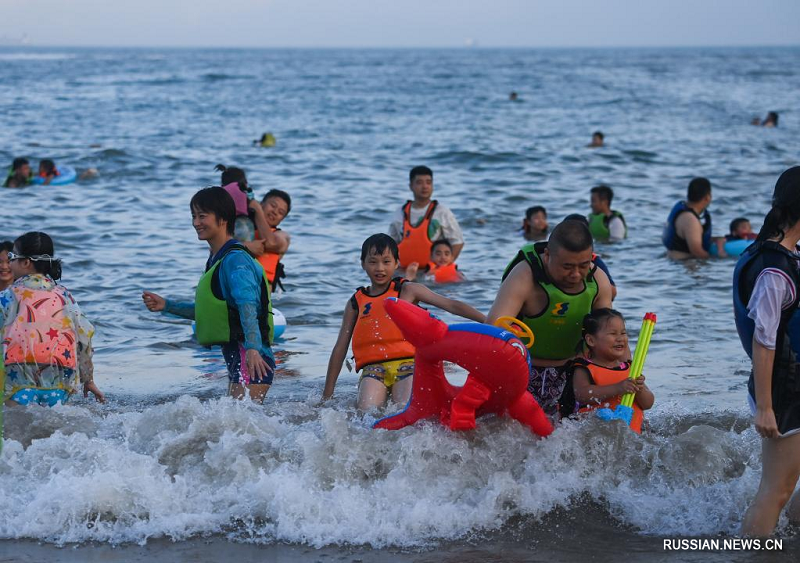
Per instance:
{"type": "Point", "coordinates": [442, 267]}
{"type": "Point", "coordinates": [47, 170]}
{"type": "Point", "coordinates": [601, 379]}
{"type": "Point", "coordinates": [384, 357]}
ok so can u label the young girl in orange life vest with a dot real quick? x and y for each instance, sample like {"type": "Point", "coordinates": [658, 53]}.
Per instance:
{"type": "Point", "coordinates": [601, 379]}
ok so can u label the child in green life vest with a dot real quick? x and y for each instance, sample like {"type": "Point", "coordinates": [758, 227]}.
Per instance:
{"type": "Point", "coordinates": [605, 223]}
{"type": "Point", "coordinates": [232, 305]}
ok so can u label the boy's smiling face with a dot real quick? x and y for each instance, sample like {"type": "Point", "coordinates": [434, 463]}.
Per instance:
{"type": "Point", "coordinates": [441, 255]}
{"type": "Point", "coordinates": [275, 210]}
{"type": "Point", "coordinates": [380, 267]}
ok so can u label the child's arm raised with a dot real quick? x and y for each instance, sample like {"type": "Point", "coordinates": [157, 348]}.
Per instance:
{"type": "Point", "coordinates": [339, 351]}
{"type": "Point", "coordinates": [416, 292]}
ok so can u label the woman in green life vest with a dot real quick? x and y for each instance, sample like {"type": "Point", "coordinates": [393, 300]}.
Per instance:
{"type": "Point", "coordinates": [232, 303]}
{"type": "Point", "coordinates": [550, 289]}
{"type": "Point", "coordinates": [604, 223]}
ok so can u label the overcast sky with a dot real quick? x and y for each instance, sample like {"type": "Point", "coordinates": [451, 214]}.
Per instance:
{"type": "Point", "coordinates": [401, 23]}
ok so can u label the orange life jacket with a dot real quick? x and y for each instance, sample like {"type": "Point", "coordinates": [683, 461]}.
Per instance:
{"type": "Point", "coordinates": [445, 274]}
{"type": "Point", "coordinates": [609, 376]}
{"type": "Point", "coordinates": [375, 337]}
{"type": "Point", "coordinates": [416, 245]}
{"type": "Point", "coordinates": [269, 261]}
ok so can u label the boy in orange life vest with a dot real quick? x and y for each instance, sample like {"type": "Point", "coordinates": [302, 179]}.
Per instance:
{"type": "Point", "coordinates": [420, 222]}
{"type": "Point", "coordinates": [276, 206]}
{"type": "Point", "coordinates": [602, 378]}
{"type": "Point", "coordinates": [442, 267]}
{"type": "Point", "coordinates": [385, 358]}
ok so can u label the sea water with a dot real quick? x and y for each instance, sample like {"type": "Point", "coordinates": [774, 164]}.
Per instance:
{"type": "Point", "coordinates": [170, 457]}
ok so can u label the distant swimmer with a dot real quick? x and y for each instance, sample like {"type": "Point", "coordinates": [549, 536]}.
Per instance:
{"type": "Point", "coordinates": [740, 229]}
{"type": "Point", "coordinates": [19, 174]}
{"type": "Point", "coordinates": [770, 121]}
{"type": "Point", "coordinates": [766, 294]}
{"type": "Point", "coordinates": [418, 223]}
{"type": "Point", "coordinates": [597, 140]}
{"type": "Point", "coordinates": [47, 170]}
{"type": "Point", "coordinates": [6, 276]}
{"type": "Point", "coordinates": [232, 306]}
{"type": "Point", "coordinates": [513, 97]}
{"type": "Point", "coordinates": [605, 223]}
{"type": "Point", "coordinates": [601, 378]}
{"type": "Point", "coordinates": [49, 368]}
{"type": "Point", "coordinates": [266, 140]}
{"type": "Point", "coordinates": [442, 267]}
{"type": "Point", "coordinates": [382, 355]}
{"type": "Point", "coordinates": [687, 233]}
{"type": "Point", "coordinates": [534, 225]}
{"type": "Point", "coordinates": [551, 286]}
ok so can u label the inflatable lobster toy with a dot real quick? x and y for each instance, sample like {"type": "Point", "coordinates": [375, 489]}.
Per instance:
{"type": "Point", "coordinates": [497, 362]}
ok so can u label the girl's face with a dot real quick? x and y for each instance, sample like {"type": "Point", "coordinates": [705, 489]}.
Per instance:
{"type": "Point", "coordinates": [6, 276]}
{"type": "Point", "coordinates": [611, 341]}
{"type": "Point", "coordinates": [21, 266]}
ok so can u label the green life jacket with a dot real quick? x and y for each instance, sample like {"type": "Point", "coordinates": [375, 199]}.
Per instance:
{"type": "Point", "coordinates": [598, 224]}
{"type": "Point", "coordinates": [217, 321]}
{"type": "Point", "coordinates": [558, 328]}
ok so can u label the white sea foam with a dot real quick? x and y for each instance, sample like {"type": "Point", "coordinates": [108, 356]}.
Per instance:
{"type": "Point", "coordinates": [296, 473]}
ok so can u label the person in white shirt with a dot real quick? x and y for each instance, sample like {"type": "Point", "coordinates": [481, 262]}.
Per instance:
{"type": "Point", "coordinates": [418, 223]}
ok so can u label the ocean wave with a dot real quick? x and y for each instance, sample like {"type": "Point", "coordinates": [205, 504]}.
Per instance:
{"type": "Point", "coordinates": [321, 476]}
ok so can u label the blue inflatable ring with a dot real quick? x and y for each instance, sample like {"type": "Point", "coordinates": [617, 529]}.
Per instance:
{"type": "Point", "coordinates": [733, 248]}
{"type": "Point", "coordinates": [66, 175]}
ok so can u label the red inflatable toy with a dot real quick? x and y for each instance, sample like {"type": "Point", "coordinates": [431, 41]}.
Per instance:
{"type": "Point", "coordinates": [497, 363]}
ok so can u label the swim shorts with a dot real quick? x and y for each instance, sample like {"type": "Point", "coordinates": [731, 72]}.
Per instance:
{"type": "Point", "coordinates": [43, 397]}
{"type": "Point", "coordinates": [235, 358]}
{"type": "Point", "coordinates": [389, 372]}
{"type": "Point", "coordinates": [546, 385]}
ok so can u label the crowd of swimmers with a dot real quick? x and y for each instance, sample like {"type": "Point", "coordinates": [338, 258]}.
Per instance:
{"type": "Point", "coordinates": [555, 284]}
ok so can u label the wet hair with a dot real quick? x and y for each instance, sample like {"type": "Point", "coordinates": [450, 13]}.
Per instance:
{"type": "Point", "coordinates": [232, 174]}
{"type": "Point", "coordinates": [599, 134]}
{"type": "Point", "coordinates": [48, 166]}
{"type": "Point", "coordinates": [378, 244]}
{"type": "Point", "coordinates": [572, 236]}
{"type": "Point", "coordinates": [577, 217]}
{"type": "Point", "coordinates": [772, 117]}
{"type": "Point", "coordinates": [281, 194]}
{"type": "Point", "coordinates": [597, 319]}
{"type": "Point", "coordinates": [603, 192]}
{"type": "Point", "coordinates": [38, 248]}
{"type": "Point", "coordinates": [419, 171]}
{"type": "Point", "coordinates": [785, 210]}
{"type": "Point", "coordinates": [217, 201]}
{"type": "Point", "coordinates": [531, 211]}
{"type": "Point", "coordinates": [19, 163]}
{"type": "Point", "coordinates": [6, 246]}
{"type": "Point", "coordinates": [441, 241]}
{"type": "Point", "coordinates": [737, 222]}
{"type": "Point", "coordinates": [698, 189]}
